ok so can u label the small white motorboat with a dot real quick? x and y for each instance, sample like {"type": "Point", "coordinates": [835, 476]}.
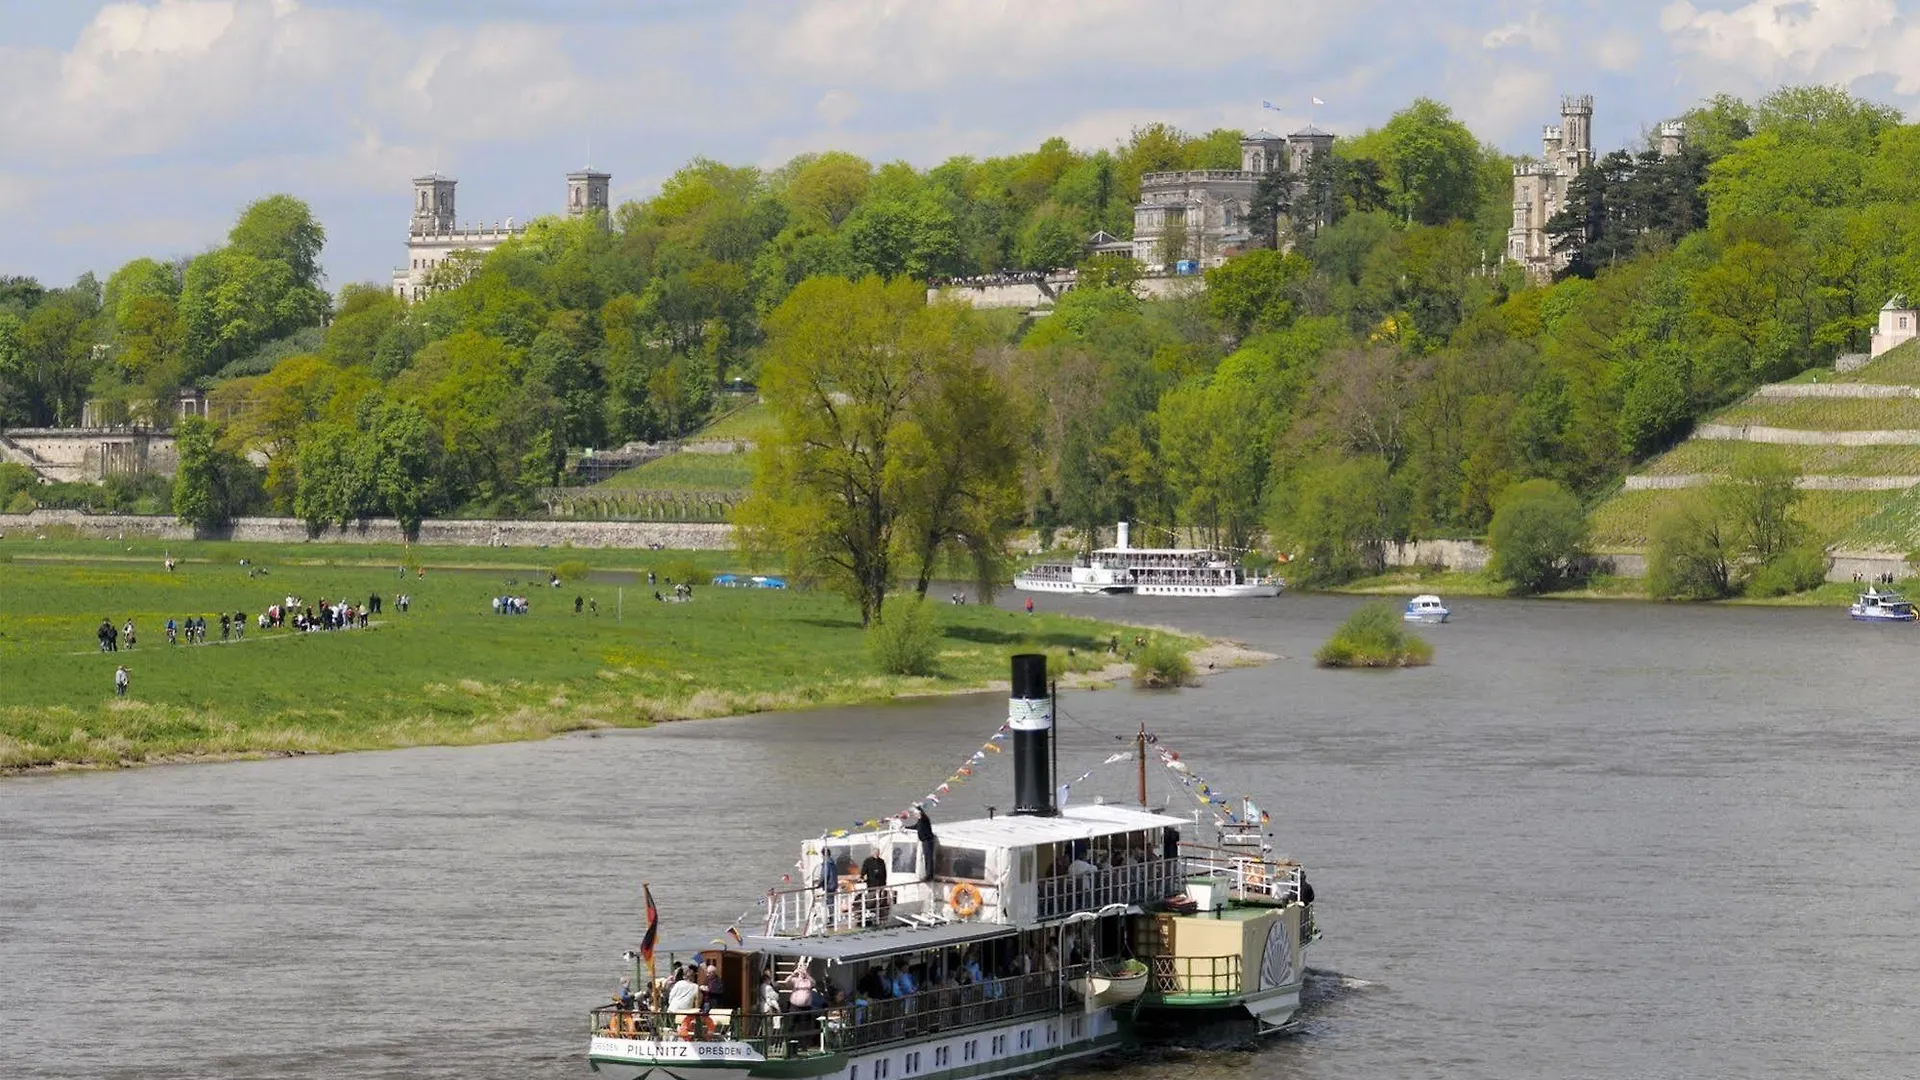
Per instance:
{"type": "Point", "coordinates": [1876, 606]}
{"type": "Point", "coordinates": [1426, 608]}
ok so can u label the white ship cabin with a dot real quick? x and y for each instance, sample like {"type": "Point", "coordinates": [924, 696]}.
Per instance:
{"type": "Point", "coordinates": [994, 870]}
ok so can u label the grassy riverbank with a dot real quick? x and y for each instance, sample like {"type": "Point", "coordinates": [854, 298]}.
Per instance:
{"type": "Point", "coordinates": [447, 672]}
{"type": "Point", "coordinates": [1458, 583]}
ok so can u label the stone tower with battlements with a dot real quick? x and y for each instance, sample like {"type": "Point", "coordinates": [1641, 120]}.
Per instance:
{"type": "Point", "coordinates": [434, 232]}
{"type": "Point", "coordinates": [1540, 187]}
{"type": "Point", "coordinates": [587, 192]}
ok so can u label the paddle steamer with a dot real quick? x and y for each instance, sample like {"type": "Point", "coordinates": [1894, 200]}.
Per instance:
{"type": "Point", "coordinates": [1122, 568]}
{"type": "Point", "coordinates": [1030, 939]}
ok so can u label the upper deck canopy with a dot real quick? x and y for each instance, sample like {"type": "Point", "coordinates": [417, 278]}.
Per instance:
{"type": "Point", "coordinates": [868, 944]}
{"type": "Point", "coordinates": [1011, 831]}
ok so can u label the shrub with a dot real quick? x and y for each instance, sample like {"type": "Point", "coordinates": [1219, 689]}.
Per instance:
{"type": "Point", "coordinates": [685, 572]}
{"type": "Point", "coordinates": [1538, 532]}
{"type": "Point", "coordinates": [1374, 636]}
{"type": "Point", "coordinates": [1163, 663]}
{"type": "Point", "coordinates": [572, 570]}
{"type": "Point", "coordinates": [1792, 571]}
{"type": "Point", "coordinates": [904, 640]}
{"type": "Point", "coordinates": [21, 503]}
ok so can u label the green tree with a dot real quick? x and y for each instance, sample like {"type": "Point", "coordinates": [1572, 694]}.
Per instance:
{"type": "Point", "coordinates": [209, 483]}
{"type": "Point", "coordinates": [281, 228]}
{"type": "Point", "coordinates": [1430, 163]}
{"type": "Point", "coordinates": [838, 385]}
{"type": "Point", "coordinates": [961, 456]}
{"type": "Point", "coordinates": [1760, 495]}
{"type": "Point", "coordinates": [869, 389]}
{"type": "Point", "coordinates": [1256, 291]}
{"type": "Point", "coordinates": [1538, 534]}
{"type": "Point", "coordinates": [405, 453]}
{"type": "Point", "coordinates": [1337, 518]}
{"type": "Point", "coordinates": [1692, 549]}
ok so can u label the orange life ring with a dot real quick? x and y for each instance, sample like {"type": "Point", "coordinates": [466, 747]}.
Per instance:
{"type": "Point", "coordinates": [964, 899]}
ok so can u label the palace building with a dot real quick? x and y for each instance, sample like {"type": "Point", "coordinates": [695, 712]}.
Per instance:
{"type": "Point", "coordinates": [435, 232]}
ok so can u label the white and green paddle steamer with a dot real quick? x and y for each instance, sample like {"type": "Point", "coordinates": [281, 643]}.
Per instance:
{"type": "Point", "coordinates": [1027, 940]}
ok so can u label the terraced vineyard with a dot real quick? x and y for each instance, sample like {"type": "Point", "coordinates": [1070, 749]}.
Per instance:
{"type": "Point", "coordinates": [685, 472]}
{"type": "Point", "coordinates": [1625, 521]}
{"type": "Point", "coordinates": [1894, 528]}
{"type": "Point", "coordinates": [1720, 457]}
{"type": "Point", "coordinates": [1898, 365]}
{"type": "Point", "coordinates": [1826, 414]}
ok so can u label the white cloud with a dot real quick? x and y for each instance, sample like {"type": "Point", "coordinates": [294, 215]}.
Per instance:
{"type": "Point", "coordinates": [1617, 50]}
{"type": "Point", "coordinates": [952, 44]}
{"type": "Point", "coordinates": [836, 107]}
{"type": "Point", "coordinates": [1498, 102]}
{"type": "Point", "coordinates": [1766, 42]}
{"type": "Point", "coordinates": [1534, 33]}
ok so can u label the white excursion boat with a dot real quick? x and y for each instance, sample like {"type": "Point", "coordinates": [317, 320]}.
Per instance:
{"type": "Point", "coordinates": [1426, 608]}
{"type": "Point", "coordinates": [1149, 572]}
{"type": "Point", "coordinates": [1876, 606]}
{"type": "Point", "coordinates": [998, 946]}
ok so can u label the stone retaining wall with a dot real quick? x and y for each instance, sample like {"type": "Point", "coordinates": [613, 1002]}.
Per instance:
{"type": "Point", "coordinates": [1795, 437]}
{"type": "Point", "coordinates": [581, 534]}
{"type": "Point", "coordinates": [1817, 482]}
{"type": "Point", "coordinates": [1783, 391]}
{"type": "Point", "coordinates": [1868, 564]}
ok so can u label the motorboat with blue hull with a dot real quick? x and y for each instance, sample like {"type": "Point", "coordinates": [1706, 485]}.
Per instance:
{"type": "Point", "coordinates": [1004, 945]}
{"type": "Point", "coordinates": [1876, 605]}
{"type": "Point", "coordinates": [1427, 609]}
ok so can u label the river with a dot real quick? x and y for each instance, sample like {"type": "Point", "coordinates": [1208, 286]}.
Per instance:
{"type": "Point", "coordinates": [1592, 839]}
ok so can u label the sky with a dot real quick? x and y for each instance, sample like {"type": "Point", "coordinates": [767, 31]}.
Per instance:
{"type": "Point", "coordinates": [141, 128]}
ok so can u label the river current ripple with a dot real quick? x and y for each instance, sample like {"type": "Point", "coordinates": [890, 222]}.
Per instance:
{"type": "Point", "coordinates": [1591, 840]}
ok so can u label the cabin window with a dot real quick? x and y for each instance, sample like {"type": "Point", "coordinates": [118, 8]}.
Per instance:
{"type": "Point", "coordinates": [906, 858]}
{"type": "Point", "coordinates": [967, 864]}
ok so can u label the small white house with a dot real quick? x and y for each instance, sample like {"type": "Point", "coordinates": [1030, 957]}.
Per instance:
{"type": "Point", "coordinates": [1898, 322]}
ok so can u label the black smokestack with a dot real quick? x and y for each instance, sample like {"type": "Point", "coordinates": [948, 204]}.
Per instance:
{"type": "Point", "coordinates": [1030, 715]}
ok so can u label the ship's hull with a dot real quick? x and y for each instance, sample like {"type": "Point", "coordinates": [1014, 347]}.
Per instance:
{"type": "Point", "coordinates": [1075, 588]}
{"type": "Point", "coordinates": [1018, 1048]}
{"type": "Point", "coordinates": [1877, 615]}
{"type": "Point", "coordinates": [1201, 592]}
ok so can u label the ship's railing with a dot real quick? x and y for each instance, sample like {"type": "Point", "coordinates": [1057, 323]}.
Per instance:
{"type": "Point", "coordinates": [849, 1025]}
{"type": "Point", "coordinates": [864, 1023]}
{"type": "Point", "coordinates": [1248, 876]}
{"type": "Point", "coordinates": [1205, 976]}
{"type": "Point", "coordinates": [802, 910]}
{"type": "Point", "coordinates": [1128, 883]}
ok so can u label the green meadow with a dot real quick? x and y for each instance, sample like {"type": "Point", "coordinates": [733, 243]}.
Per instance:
{"type": "Point", "coordinates": [448, 671]}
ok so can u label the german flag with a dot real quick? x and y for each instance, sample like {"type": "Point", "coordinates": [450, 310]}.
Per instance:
{"type": "Point", "coordinates": [653, 931]}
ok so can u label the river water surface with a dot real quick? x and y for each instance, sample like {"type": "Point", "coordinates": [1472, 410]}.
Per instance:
{"type": "Point", "coordinates": [1593, 839]}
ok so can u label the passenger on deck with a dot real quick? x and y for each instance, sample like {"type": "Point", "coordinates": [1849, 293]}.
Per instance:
{"type": "Point", "coordinates": [684, 996]}
{"type": "Point", "coordinates": [874, 984]}
{"type": "Point", "coordinates": [769, 999]}
{"type": "Point", "coordinates": [923, 828]}
{"type": "Point", "coordinates": [626, 993]}
{"type": "Point", "coordinates": [877, 904]}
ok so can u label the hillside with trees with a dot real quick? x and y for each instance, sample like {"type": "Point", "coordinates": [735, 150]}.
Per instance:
{"type": "Point", "coordinates": [1387, 376]}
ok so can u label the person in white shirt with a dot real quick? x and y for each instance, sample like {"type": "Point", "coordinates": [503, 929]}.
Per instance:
{"type": "Point", "coordinates": [684, 997]}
